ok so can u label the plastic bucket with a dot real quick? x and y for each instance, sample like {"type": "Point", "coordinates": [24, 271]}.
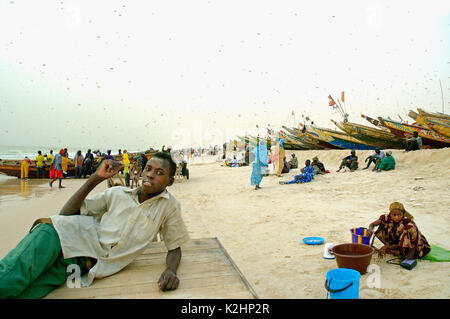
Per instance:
{"type": "Point", "coordinates": [353, 256]}
{"type": "Point", "coordinates": [359, 236]}
{"type": "Point", "coordinates": [342, 283]}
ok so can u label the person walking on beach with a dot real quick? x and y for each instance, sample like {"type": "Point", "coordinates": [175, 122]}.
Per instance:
{"type": "Point", "coordinates": [99, 235]}
{"type": "Point", "coordinates": [259, 166]}
{"type": "Point", "coordinates": [40, 171]}
{"type": "Point", "coordinates": [65, 163]}
{"type": "Point", "coordinates": [88, 163]}
{"type": "Point", "coordinates": [78, 160]}
{"type": "Point", "coordinates": [25, 167]}
{"type": "Point", "coordinates": [57, 171]}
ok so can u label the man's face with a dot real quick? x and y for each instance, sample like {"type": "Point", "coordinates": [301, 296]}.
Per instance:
{"type": "Point", "coordinates": [156, 176]}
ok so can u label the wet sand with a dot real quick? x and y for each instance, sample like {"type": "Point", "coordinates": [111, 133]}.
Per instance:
{"type": "Point", "coordinates": [262, 230]}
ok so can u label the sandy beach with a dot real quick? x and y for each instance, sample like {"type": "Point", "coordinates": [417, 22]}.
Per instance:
{"type": "Point", "coordinates": [262, 230]}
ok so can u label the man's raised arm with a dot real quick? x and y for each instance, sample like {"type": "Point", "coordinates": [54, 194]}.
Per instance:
{"type": "Point", "coordinates": [107, 169]}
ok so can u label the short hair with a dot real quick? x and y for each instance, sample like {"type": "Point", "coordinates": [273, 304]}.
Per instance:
{"type": "Point", "coordinates": [168, 158]}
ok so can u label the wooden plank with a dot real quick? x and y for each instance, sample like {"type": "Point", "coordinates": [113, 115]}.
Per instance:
{"type": "Point", "coordinates": [206, 271]}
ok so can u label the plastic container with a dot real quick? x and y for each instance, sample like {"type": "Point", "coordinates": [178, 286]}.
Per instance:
{"type": "Point", "coordinates": [353, 256]}
{"type": "Point", "coordinates": [359, 236]}
{"type": "Point", "coordinates": [342, 283]}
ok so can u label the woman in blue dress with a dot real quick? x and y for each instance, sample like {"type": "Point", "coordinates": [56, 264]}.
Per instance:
{"type": "Point", "coordinates": [259, 164]}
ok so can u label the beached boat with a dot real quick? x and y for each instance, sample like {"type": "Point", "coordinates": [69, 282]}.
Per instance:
{"type": "Point", "coordinates": [381, 138]}
{"type": "Point", "coordinates": [12, 167]}
{"type": "Point", "coordinates": [303, 139]}
{"type": "Point", "coordinates": [437, 124]}
{"type": "Point", "coordinates": [341, 139]}
{"type": "Point", "coordinates": [322, 139]}
{"type": "Point", "coordinates": [429, 138]}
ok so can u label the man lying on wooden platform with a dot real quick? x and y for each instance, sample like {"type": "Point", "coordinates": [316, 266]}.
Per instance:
{"type": "Point", "coordinates": [99, 235]}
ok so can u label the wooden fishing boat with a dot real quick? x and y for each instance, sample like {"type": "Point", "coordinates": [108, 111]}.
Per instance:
{"type": "Point", "coordinates": [290, 140]}
{"type": "Point", "coordinates": [438, 125]}
{"type": "Point", "coordinates": [437, 116]}
{"type": "Point", "coordinates": [372, 136]}
{"type": "Point", "coordinates": [12, 167]}
{"type": "Point", "coordinates": [403, 130]}
{"type": "Point", "coordinates": [322, 139]}
{"type": "Point", "coordinates": [303, 139]}
{"type": "Point", "coordinates": [246, 140]}
{"type": "Point", "coordinates": [342, 140]}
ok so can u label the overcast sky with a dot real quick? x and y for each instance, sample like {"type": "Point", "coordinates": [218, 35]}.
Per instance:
{"type": "Point", "coordinates": [135, 74]}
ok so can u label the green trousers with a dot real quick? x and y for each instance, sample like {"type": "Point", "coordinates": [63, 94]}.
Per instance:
{"type": "Point", "coordinates": [36, 266]}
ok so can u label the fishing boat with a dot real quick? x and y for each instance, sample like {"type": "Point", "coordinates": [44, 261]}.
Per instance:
{"type": "Point", "coordinates": [303, 139]}
{"type": "Point", "coordinates": [438, 124]}
{"type": "Point", "coordinates": [403, 130]}
{"type": "Point", "coordinates": [341, 139]}
{"type": "Point", "coordinates": [381, 138]}
{"type": "Point", "coordinates": [297, 144]}
{"type": "Point", "coordinates": [12, 167]}
{"type": "Point", "coordinates": [322, 139]}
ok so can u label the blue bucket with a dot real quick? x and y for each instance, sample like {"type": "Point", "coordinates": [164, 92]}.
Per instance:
{"type": "Point", "coordinates": [342, 283]}
{"type": "Point", "coordinates": [359, 235]}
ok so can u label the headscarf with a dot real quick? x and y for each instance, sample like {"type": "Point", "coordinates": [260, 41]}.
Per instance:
{"type": "Point", "coordinates": [281, 142]}
{"type": "Point", "coordinates": [399, 206]}
{"type": "Point", "coordinates": [260, 152]}
{"type": "Point", "coordinates": [61, 151]}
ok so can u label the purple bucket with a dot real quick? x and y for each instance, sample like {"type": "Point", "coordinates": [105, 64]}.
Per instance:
{"type": "Point", "coordinates": [359, 236]}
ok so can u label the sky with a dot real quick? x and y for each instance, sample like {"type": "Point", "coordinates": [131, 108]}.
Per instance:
{"type": "Point", "coordinates": [140, 74]}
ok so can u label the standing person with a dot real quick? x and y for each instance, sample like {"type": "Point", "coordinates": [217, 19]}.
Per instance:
{"type": "Point", "coordinates": [40, 165]}
{"type": "Point", "coordinates": [25, 168]}
{"type": "Point", "coordinates": [102, 234]}
{"type": "Point", "coordinates": [259, 166]}
{"type": "Point", "coordinates": [57, 171]}
{"type": "Point", "coordinates": [126, 162]}
{"type": "Point", "coordinates": [414, 143]}
{"type": "Point", "coordinates": [78, 160]}
{"type": "Point", "coordinates": [65, 162]}
{"type": "Point", "coordinates": [374, 158]}
{"type": "Point", "coordinates": [88, 163]}
{"type": "Point", "coordinates": [108, 155]}
{"type": "Point", "coordinates": [281, 156]}
{"type": "Point", "coordinates": [120, 152]}
{"type": "Point", "coordinates": [50, 156]}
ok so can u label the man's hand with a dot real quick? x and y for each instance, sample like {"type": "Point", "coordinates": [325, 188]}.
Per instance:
{"type": "Point", "coordinates": [108, 169]}
{"type": "Point", "coordinates": [168, 280]}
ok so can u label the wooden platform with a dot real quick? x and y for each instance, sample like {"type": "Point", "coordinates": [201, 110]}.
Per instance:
{"type": "Point", "coordinates": [206, 271]}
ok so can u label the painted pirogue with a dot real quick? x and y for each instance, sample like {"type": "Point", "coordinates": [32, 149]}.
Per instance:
{"type": "Point", "coordinates": [12, 167]}
{"type": "Point", "coordinates": [437, 122]}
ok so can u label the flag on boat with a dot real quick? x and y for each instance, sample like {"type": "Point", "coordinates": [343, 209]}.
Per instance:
{"type": "Point", "coordinates": [342, 96]}
{"type": "Point", "coordinates": [331, 102]}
